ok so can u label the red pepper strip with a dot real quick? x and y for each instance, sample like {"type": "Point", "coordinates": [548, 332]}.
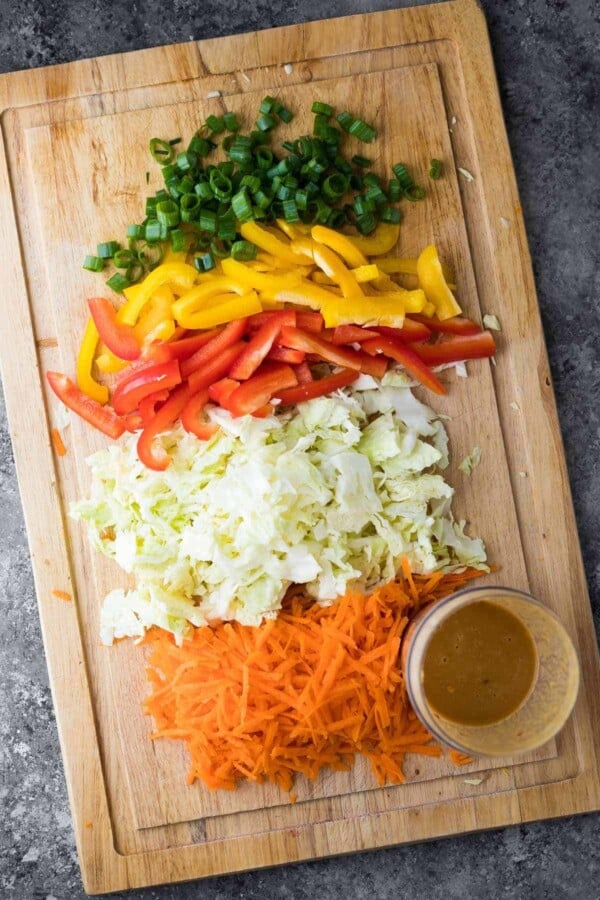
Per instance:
{"type": "Point", "coordinates": [284, 354]}
{"type": "Point", "coordinates": [134, 422]}
{"type": "Point", "coordinates": [148, 405]}
{"type": "Point", "coordinates": [309, 321]}
{"type": "Point", "coordinates": [303, 373]}
{"type": "Point", "coordinates": [258, 390]}
{"type": "Point", "coordinates": [309, 343]}
{"type": "Point", "coordinates": [259, 345]}
{"type": "Point", "coordinates": [190, 417]}
{"type": "Point", "coordinates": [215, 368]}
{"type": "Point", "coordinates": [374, 365]}
{"type": "Point", "coordinates": [119, 338]}
{"type": "Point", "coordinates": [232, 333]}
{"type": "Point", "coordinates": [263, 411]}
{"type": "Point", "coordinates": [104, 418]}
{"type": "Point", "coordinates": [351, 334]}
{"type": "Point", "coordinates": [410, 332]}
{"type": "Point", "coordinates": [186, 347]}
{"type": "Point", "coordinates": [407, 358]}
{"type": "Point", "coordinates": [455, 325]}
{"type": "Point", "coordinates": [455, 349]}
{"type": "Point", "coordinates": [221, 390]}
{"type": "Point", "coordinates": [156, 352]}
{"type": "Point", "coordinates": [318, 388]}
{"type": "Point", "coordinates": [132, 369]}
{"type": "Point", "coordinates": [150, 452]}
{"type": "Point", "coordinates": [128, 394]}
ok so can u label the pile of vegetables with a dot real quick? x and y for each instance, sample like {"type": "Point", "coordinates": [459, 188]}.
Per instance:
{"type": "Point", "coordinates": [310, 689]}
{"type": "Point", "coordinates": [330, 495]}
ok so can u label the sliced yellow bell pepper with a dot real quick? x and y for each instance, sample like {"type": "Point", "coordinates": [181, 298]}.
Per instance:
{"type": "Point", "coordinates": [267, 240]}
{"type": "Point", "coordinates": [223, 308]}
{"type": "Point", "coordinates": [412, 301]}
{"type": "Point", "coordinates": [203, 295]}
{"type": "Point", "coordinates": [342, 245]}
{"type": "Point", "coordinates": [330, 263]}
{"type": "Point", "coordinates": [85, 361]}
{"type": "Point", "coordinates": [174, 256]}
{"type": "Point", "coordinates": [429, 310]}
{"type": "Point", "coordinates": [432, 281]}
{"type": "Point", "coordinates": [305, 293]}
{"type": "Point", "coordinates": [397, 266]}
{"type": "Point", "coordinates": [364, 311]}
{"type": "Point", "coordinates": [260, 281]}
{"type": "Point", "coordinates": [293, 230]}
{"type": "Point", "coordinates": [369, 272]}
{"type": "Point", "coordinates": [383, 240]}
{"type": "Point", "coordinates": [175, 274]}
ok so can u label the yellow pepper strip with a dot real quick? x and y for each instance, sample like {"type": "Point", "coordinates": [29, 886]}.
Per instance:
{"type": "Point", "coordinates": [321, 278]}
{"type": "Point", "coordinates": [382, 241]}
{"type": "Point", "coordinates": [432, 281]}
{"type": "Point", "coordinates": [108, 363]}
{"type": "Point", "coordinates": [294, 230]}
{"type": "Point", "coordinates": [164, 331]}
{"type": "Point", "coordinates": [85, 360]}
{"type": "Point", "coordinates": [225, 308]}
{"type": "Point", "coordinates": [429, 310]}
{"type": "Point", "coordinates": [395, 265]}
{"type": "Point", "coordinates": [175, 274]}
{"type": "Point", "coordinates": [306, 294]}
{"type": "Point", "coordinates": [411, 301]}
{"type": "Point", "coordinates": [387, 310]}
{"type": "Point", "coordinates": [370, 272]}
{"type": "Point", "coordinates": [156, 311]}
{"type": "Point", "coordinates": [260, 281]}
{"type": "Point", "coordinates": [268, 241]}
{"type": "Point", "coordinates": [204, 295]}
{"type": "Point", "coordinates": [174, 256]}
{"type": "Point", "coordinates": [342, 245]}
{"type": "Point", "coordinates": [330, 263]}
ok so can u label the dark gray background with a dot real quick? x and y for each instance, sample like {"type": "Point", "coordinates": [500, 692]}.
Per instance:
{"type": "Point", "coordinates": [547, 59]}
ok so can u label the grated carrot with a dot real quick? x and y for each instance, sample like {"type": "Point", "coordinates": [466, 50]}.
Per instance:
{"type": "Point", "coordinates": [313, 688]}
{"type": "Point", "coordinates": [58, 442]}
{"type": "Point", "coordinates": [61, 595]}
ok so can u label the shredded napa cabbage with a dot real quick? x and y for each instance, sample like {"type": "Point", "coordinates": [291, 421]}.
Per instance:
{"type": "Point", "coordinates": [330, 496]}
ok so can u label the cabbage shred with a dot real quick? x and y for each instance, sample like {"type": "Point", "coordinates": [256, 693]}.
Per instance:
{"type": "Point", "coordinates": [330, 496]}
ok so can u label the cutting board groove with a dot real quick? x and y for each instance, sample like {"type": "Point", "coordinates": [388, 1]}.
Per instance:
{"type": "Point", "coordinates": [72, 165]}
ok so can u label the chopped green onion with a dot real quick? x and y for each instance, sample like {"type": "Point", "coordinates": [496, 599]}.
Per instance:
{"type": "Point", "coordinates": [220, 249]}
{"type": "Point", "coordinates": [366, 223]}
{"type": "Point", "coordinates": [167, 213]}
{"type": "Point", "coordinates": [153, 230]}
{"type": "Point", "coordinates": [205, 262]}
{"type": "Point", "coordinates": [264, 157]}
{"type": "Point", "coordinates": [265, 123]}
{"type": "Point", "coordinates": [362, 131]}
{"type": "Point", "coordinates": [208, 221]}
{"type": "Point", "coordinates": [290, 211]}
{"type": "Point", "coordinates": [227, 227]}
{"type": "Point", "coordinates": [230, 120]}
{"type": "Point", "coordinates": [123, 258]}
{"type": "Point", "coordinates": [189, 206]}
{"type": "Point", "coordinates": [345, 119]}
{"type": "Point", "coordinates": [284, 114]}
{"type": "Point", "coordinates": [203, 190]}
{"type": "Point", "coordinates": [394, 190]}
{"type": "Point", "coordinates": [108, 249]}
{"type": "Point", "coordinates": [335, 186]}
{"type": "Point", "coordinates": [161, 151]}
{"type": "Point", "coordinates": [244, 251]}
{"type": "Point", "coordinates": [200, 146]}
{"type": "Point", "coordinates": [220, 184]}
{"type": "Point", "coordinates": [401, 173]}
{"type": "Point", "coordinates": [134, 271]}
{"type": "Point", "coordinates": [361, 161]}
{"type": "Point", "coordinates": [177, 240]}
{"type": "Point", "coordinates": [118, 282]}
{"type": "Point", "coordinates": [414, 192]}
{"type": "Point", "coordinates": [93, 263]}
{"type": "Point", "coordinates": [322, 109]}
{"type": "Point", "coordinates": [186, 161]}
{"type": "Point", "coordinates": [134, 231]}
{"type": "Point", "coordinates": [390, 214]}
{"type": "Point", "coordinates": [266, 106]}
{"type": "Point", "coordinates": [301, 200]}
{"type": "Point", "coordinates": [241, 205]}
{"type": "Point", "coordinates": [216, 124]}
{"type": "Point", "coordinates": [148, 254]}
{"type": "Point", "coordinates": [337, 218]}
{"type": "Point", "coordinates": [435, 169]}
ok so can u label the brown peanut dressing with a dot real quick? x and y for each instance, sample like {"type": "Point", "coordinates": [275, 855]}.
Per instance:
{"type": "Point", "coordinates": [480, 665]}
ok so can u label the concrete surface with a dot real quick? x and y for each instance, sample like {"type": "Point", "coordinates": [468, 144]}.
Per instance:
{"type": "Point", "coordinates": [547, 59]}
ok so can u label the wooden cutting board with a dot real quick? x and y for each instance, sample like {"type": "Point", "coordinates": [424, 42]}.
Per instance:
{"type": "Point", "coordinates": [72, 171]}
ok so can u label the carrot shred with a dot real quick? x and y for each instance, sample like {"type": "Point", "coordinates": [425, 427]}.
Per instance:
{"type": "Point", "coordinates": [61, 595]}
{"type": "Point", "coordinates": [310, 689]}
{"type": "Point", "coordinates": [57, 441]}
{"type": "Point", "coordinates": [458, 758]}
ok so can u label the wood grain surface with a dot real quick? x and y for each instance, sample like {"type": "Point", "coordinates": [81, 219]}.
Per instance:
{"type": "Point", "coordinates": [72, 171]}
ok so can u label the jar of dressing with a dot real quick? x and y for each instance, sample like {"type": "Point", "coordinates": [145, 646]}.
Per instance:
{"type": "Point", "coordinates": [490, 671]}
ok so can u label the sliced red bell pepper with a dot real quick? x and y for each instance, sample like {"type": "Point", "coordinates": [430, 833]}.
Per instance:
{"type": "Point", "coordinates": [284, 354]}
{"type": "Point", "coordinates": [133, 422]}
{"type": "Point", "coordinates": [339, 356]}
{"type": "Point", "coordinates": [455, 349]}
{"type": "Point", "coordinates": [260, 344]}
{"type": "Point", "coordinates": [185, 347]}
{"type": "Point", "coordinates": [262, 412]}
{"type": "Point", "coordinates": [319, 388]}
{"type": "Point", "coordinates": [309, 321]}
{"type": "Point", "coordinates": [125, 375]}
{"type": "Point", "coordinates": [455, 325]}
{"type": "Point", "coordinates": [303, 373]}
{"type": "Point", "coordinates": [231, 334]}
{"type": "Point", "coordinates": [407, 357]}
{"type": "Point", "coordinates": [221, 390]}
{"type": "Point", "coordinates": [149, 451]}
{"type": "Point", "coordinates": [119, 338]}
{"type": "Point", "coordinates": [156, 352]}
{"type": "Point", "coordinates": [129, 393]}
{"type": "Point", "coordinates": [148, 405]}
{"type": "Point", "coordinates": [258, 390]}
{"type": "Point", "coordinates": [191, 416]}
{"type": "Point", "coordinates": [410, 331]}
{"type": "Point", "coordinates": [104, 418]}
{"type": "Point", "coordinates": [215, 368]}
{"type": "Point", "coordinates": [351, 334]}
